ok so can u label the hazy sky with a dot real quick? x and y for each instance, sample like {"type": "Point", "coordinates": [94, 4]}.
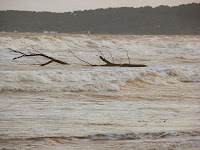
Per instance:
{"type": "Point", "coordinates": [71, 5]}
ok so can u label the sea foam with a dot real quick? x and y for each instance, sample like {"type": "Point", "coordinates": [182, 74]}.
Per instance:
{"type": "Point", "coordinates": [94, 79]}
{"type": "Point", "coordinates": [146, 48]}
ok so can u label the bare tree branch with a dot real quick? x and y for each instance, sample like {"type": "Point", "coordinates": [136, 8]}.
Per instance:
{"type": "Point", "coordinates": [108, 63]}
{"type": "Point", "coordinates": [47, 63]}
{"type": "Point", "coordinates": [51, 59]}
{"type": "Point", "coordinates": [120, 65]}
{"type": "Point", "coordinates": [39, 54]}
{"type": "Point", "coordinates": [31, 52]}
{"type": "Point", "coordinates": [79, 58]}
{"type": "Point", "coordinates": [100, 52]}
{"type": "Point", "coordinates": [111, 56]}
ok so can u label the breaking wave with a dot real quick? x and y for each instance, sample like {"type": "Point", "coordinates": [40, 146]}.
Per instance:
{"type": "Point", "coordinates": [145, 45]}
{"type": "Point", "coordinates": [107, 79]}
{"type": "Point", "coordinates": [98, 79]}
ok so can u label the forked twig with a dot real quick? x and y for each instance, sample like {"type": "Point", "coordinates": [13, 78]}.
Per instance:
{"type": "Point", "coordinates": [100, 52]}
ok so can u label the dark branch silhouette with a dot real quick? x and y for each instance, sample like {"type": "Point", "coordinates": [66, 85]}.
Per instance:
{"type": "Point", "coordinates": [80, 59]}
{"type": "Point", "coordinates": [37, 54]}
{"type": "Point", "coordinates": [110, 64]}
{"type": "Point", "coordinates": [51, 59]}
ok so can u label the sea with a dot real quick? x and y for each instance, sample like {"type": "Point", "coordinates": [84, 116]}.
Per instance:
{"type": "Point", "coordinates": [79, 106]}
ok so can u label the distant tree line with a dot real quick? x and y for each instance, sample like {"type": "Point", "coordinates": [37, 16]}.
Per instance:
{"type": "Point", "coordinates": [183, 19]}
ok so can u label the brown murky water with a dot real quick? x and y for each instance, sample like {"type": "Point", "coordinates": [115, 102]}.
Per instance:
{"type": "Point", "coordinates": [83, 107]}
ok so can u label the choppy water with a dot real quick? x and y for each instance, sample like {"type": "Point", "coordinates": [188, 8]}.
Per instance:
{"type": "Point", "coordinates": [86, 104]}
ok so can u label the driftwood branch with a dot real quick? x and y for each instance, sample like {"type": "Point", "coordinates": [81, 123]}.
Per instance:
{"type": "Point", "coordinates": [108, 63]}
{"type": "Point", "coordinates": [51, 59]}
{"type": "Point", "coordinates": [79, 58]}
{"type": "Point", "coordinates": [111, 56]}
{"type": "Point", "coordinates": [37, 54]}
{"type": "Point", "coordinates": [100, 52]}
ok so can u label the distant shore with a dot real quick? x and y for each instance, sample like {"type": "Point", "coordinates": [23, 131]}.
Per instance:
{"type": "Point", "coordinates": [162, 20]}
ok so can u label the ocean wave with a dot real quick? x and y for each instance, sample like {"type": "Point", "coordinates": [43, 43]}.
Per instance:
{"type": "Point", "coordinates": [94, 79]}
{"type": "Point", "coordinates": [136, 47]}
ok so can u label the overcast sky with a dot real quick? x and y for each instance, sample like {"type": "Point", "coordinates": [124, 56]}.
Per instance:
{"type": "Point", "coordinates": [71, 5]}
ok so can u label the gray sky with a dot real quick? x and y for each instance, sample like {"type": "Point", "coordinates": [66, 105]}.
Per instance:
{"type": "Point", "coordinates": [71, 5]}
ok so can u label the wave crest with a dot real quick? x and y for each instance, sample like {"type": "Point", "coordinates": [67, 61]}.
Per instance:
{"type": "Point", "coordinates": [93, 80]}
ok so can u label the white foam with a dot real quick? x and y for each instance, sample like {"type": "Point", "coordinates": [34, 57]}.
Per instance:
{"type": "Point", "coordinates": [95, 79]}
{"type": "Point", "coordinates": [98, 78]}
{"type": "Point", "coordinates": [137, 47]}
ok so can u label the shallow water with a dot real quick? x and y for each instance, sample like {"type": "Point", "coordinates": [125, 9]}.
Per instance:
{"type": "Point", "coordinates": [78, 106]}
